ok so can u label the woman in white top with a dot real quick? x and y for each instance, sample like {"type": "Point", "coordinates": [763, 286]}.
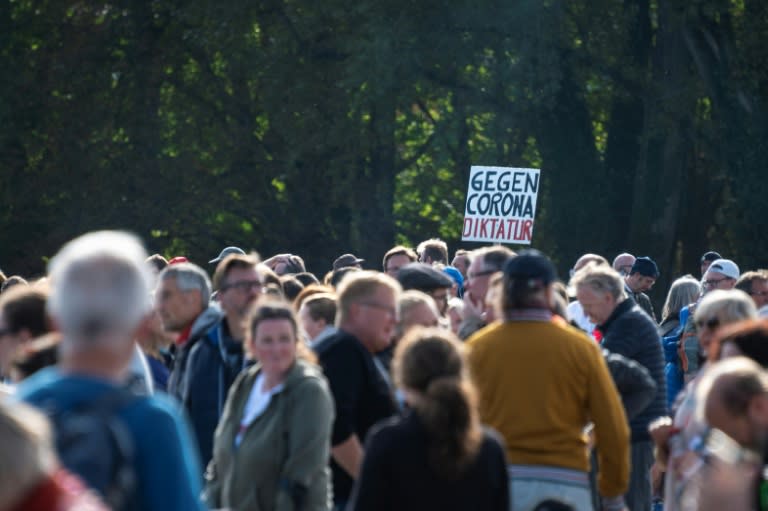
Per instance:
{"type": "Point", "coordinates": [272, 444]}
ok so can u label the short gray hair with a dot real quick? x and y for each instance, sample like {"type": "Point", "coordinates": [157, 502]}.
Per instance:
{"type": "Point", "coordinates": [100, 286]}
{"type": "Point", "coordinates": [600, 278]}
{"type": "Point", "coordinates": [189, 277]}
{"type": "Point", "coordinates": [728, 306]}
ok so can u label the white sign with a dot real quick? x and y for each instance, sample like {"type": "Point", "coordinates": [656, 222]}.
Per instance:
{"type": "Point", "coordinates": [501, 205]}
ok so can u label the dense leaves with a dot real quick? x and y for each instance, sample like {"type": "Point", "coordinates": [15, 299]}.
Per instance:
{"type": "Point", "coordinates": [322, 128]}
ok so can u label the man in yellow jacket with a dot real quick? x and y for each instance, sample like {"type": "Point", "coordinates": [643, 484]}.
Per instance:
{"type": "Point", "coordinates": [541, 382]}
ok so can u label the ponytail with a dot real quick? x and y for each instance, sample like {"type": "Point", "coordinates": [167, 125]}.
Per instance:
{"type": "Point", "coordinates": [431, 363]}
{"type": "Point", "coordinates": [448, 412]}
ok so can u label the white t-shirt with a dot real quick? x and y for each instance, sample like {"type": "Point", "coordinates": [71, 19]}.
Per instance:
{"type": "Point", "coordinates": [576, 314]}
{"type": "Point", "coordinates": [257, 403]}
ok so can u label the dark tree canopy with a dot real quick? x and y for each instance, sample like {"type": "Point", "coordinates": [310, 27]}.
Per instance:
{"type": "Point", "coordinates": [323, 128]}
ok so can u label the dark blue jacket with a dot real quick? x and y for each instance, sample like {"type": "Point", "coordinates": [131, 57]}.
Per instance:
{"type": "Point", "coordinates": [630, 332]}
{"type": "Point", "coordinates": [204, 369]}
{"type": "Point", "coordinates": [166, 467]}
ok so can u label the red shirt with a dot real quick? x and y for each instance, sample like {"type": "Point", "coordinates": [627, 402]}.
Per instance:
{"type": "Point", "coordinates": [61, 491]}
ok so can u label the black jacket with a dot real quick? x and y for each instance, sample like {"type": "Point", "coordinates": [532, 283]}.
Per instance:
{"type": "Point", "coordinates": [204, 369]}
{"type": "Point", "coordinates": [397, 473]}
{"type": "Point", "coordinates": [630, 332]}
{"type": "Point", "coordinates": [633, 381]}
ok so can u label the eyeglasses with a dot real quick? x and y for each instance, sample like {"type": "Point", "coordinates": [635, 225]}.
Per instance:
{"type": "Point", "coordinates": [386, 308]}
{"type": "Point", "coordinates": [480, 274]}
{"type": "Point", "coordinates": [758, 293]}
{"type": "Point", "coordinates": [244, 285]}
{"type": "Point", "coordinates": [714, 282]}
{"type": "Point", "coordinates": [710, 323]}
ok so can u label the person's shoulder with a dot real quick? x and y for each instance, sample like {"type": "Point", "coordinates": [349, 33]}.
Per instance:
{"type": "Point", "coordinates": [492, 443]}
{"type": "Point", "coordinates": [393, 430]}
{"type": "Point", "coordinates": [486, 334]}
{"type": "Point", "coordinates": [631, 315]}
{"type": "Point", "coordinates": [42, 381]}
{"type": "Point", "coordinates": [340, 345]}
{"type": "Point", "coordinates": [307, 377]}
{"type": "Point", "coordinates": [152, 410]}
{"type": "Point", "coordinates": [49, 388]}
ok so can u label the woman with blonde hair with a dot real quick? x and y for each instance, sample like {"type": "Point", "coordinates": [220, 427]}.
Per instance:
{"type": "Point", "coordinates": [437, 456]}
{"type": "Point", "coordinates": [272, 444]}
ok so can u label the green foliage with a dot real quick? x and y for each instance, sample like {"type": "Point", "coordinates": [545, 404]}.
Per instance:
{"type": "Point", "coordinates": [348, 126]}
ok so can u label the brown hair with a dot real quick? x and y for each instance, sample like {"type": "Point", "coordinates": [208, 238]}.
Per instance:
{"type": "Point", "coordinates": [321, 306]}
{"type": "Point", "coordinates": [157, 262]}
{"type": "Point", "coordinates": [398, 250]}
{"type": "Point", "coordinates": [747, 279]}
{"type": "Point", "coordinates": [229, 263]}
{"type": "Point", "coordinates": [430, 361]}
{"type": "Point", "coordinates": [24, 307]}
{"type": "Point", "coordinates": [361, 285]}
{"type": "Point", "coordinates": [268, 276]}
{"type": "Point", "coordinates": [37, 354]}
{"type": "Point", "coordinates": [267, 308]}
{"type": "Point", "coordinates": [435, 248]}
{"type": "Point", "coordinates": [310, 290]}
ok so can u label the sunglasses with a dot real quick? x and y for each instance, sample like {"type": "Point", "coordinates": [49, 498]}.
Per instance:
{"type": "Point", "coordinates": [710, 323]}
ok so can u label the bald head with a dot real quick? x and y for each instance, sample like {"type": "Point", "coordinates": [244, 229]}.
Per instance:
{"type": "Point", "coordinates": [584, 260]}
{"type": "Point", "coordinates": [623, 263]}
{"type": "Point", "coordinates": [733, 397]}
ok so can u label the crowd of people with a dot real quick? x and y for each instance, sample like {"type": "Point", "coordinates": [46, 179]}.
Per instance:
{"type": "Point", "coordinates": [481, 382]}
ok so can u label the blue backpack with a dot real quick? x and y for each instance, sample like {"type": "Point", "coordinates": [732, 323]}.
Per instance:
{"type": "Point", "coordinates": [93, 442]}
{"type": "Point", "coordinates": [670, 344]}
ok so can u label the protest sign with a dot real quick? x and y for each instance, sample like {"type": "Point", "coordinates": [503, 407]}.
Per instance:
{"type": "Point", "coordinates": [501, 205]}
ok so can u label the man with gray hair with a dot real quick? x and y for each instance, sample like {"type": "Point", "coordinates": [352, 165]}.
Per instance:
{"type": "Point", "coordinates": [182, 300]}
{"type": "Point", "coordinates": [627, 330]}
{"type": "Point", "coordinates": [100, 301]}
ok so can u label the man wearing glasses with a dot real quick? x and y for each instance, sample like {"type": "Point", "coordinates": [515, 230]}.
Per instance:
{"type": "Point", "coordinates": [366, 318]}
{"type": "Point", "coordinates": [720, 274]}
{"type": "Point", "coordinates": [209, 350]}
{"type": "Point", "coordinates": [483, 263]}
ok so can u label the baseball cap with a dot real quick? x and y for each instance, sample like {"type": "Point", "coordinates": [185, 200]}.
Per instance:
{"type": "Point", "coordinates": [725, 267]}
{"type": "Point", "coordinates": [346, 260]}
{"type": "Point", "coordinates": [455, 275]}
{"type": "Point", "coordinates": [224, 253]}
{"type": "Point", "coordinates": [531, 265]}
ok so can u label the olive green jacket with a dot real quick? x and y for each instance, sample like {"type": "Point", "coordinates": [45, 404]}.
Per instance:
{"type": "Point", "coordinates": [281, 463]}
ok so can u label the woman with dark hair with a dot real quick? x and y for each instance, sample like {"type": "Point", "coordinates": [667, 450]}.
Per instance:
{"type": "Point", "coordinates": [437, 456]}
{"type": "Point", "coordinates": [272, 444]}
